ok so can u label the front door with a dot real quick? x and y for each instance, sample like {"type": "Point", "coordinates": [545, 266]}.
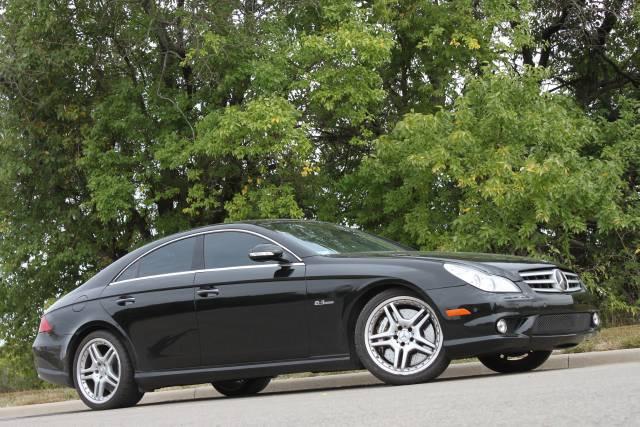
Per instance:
{"type": "Point", "coordinates": [249, 311]}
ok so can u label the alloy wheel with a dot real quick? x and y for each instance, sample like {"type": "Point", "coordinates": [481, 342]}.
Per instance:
{"type": "Point", "coordinates": [98, 370]}
{"type": "Point", "coordinates": [403, 335]}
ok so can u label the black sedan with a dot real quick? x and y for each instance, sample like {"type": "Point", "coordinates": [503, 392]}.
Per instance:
{"type": "Point", "coordinates": [238, 304]}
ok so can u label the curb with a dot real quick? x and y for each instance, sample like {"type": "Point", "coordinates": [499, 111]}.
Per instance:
{"type": "Point", "coordinates": [336, 381]}
{"type": "Point", "coordinates": [594, 358]}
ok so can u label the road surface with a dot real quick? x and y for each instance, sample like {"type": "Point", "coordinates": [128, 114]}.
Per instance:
{"type": "Point", "coordinates": [598, 395]}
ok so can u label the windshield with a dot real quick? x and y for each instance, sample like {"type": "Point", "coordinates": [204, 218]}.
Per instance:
{"type": "Point", "coordinates": [323, 238]}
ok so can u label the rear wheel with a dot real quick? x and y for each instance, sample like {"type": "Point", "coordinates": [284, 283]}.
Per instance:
{"type": "Point", "coordinates": [244, 387]}
{"type": "Point", "coordinates": [515, 362]}
{"type": "Point", "coordinates": [103, 374]}
{"type": "Point", "coordinates": [399, 339]}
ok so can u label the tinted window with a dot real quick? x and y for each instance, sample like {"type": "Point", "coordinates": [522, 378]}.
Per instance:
{"type": "Point", "coordinates": [172, 258]}
{"type": "Point", "coordinates": [323, 238]}
{"type": "Point", "coordinates": [130, 273]}
{"type": "Point", "coordinates": [230, 249]}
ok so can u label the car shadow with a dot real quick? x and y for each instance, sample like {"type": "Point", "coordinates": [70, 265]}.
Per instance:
{"type": "Point", "coordinates": [361, 383]}
{"type": "Point", "coordinates": [364, 384]}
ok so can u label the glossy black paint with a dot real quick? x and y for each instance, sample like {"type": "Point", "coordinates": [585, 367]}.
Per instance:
{"type": "Point", "coordinates": [289, 316]}
{"type": "Point", "coordinates": [259, 314]}
{"type": "Point", "coordinates": [160, 319]}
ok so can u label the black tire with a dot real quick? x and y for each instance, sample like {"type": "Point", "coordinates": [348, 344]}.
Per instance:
{"type": "Point", "coordinates": [436, 366]}
{"type": "Point", "coordinates": [243, 387]}
{"type": "Point", "coordinates": [511, 363]}
{"type": "Point", "coordinates": [127, 392]}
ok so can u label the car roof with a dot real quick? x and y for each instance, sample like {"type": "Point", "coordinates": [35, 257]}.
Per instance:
{"type": "Point", "coordinates": [260, 226]}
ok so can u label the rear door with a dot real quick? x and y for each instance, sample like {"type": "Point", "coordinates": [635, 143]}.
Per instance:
{"type": "Point", "coordinates": [153, 302]}
{"type": "Point", "coordinates": [249, 311]}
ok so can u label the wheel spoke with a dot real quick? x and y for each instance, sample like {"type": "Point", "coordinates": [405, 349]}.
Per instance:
{"type": "Point", "coordinates": [100, 394]}
{"type": "Point", "coordinates": [423, 349]}
{"type": "Point", "coordinates": [388, 343]}
{"type": "Point", "coordinates": [86, 376]}
{"type": "Point", "coordinates": [96, 385]}
{"type": "Point", "coordinates": [422, 321]}
{"type": "Point", "coordinates": [112, 375]}
{"type": "Point", "coordinates": [109, 380]}
{"type": "Point", "coordinates": [416, 317]}
{"type": "Point", "coordinates": [396, 313]}
{"type": "Point", "coordinates": [392, 321]}
{"type": "Point", "coordinates": [397, 357]}
{"type": "Point", "coordinates": [94, 353]}
{"type": "Point", "coordinates": [385, 334]}
{"type": "Point", "coordinates": [108, 356]}
{"type": "Point", "coordinates": [424, 342]}
{"type": "Point", "coordinates": [405, 356]}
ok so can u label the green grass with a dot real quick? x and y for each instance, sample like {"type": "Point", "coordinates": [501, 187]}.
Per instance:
{"type": "Point", "coordinates": [615, 338]}
{"type": "Point", "coordinates": [31, 397]}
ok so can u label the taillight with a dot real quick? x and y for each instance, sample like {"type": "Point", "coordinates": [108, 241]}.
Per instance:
{"type": "Point", "coordinates": [45, 326]}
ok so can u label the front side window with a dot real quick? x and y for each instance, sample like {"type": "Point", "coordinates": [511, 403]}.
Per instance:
{"type": "Point", "coordinates": [230, 249]}
{"type": "Point", "coordinates": [172, 258]}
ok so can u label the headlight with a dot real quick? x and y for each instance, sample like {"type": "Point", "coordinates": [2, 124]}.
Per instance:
{"type": "Point", "coordinates": [481, 280]}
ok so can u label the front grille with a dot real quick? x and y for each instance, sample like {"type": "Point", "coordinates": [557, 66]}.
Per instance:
{"type": "Point", "coordinates": [545, 280]}
{"type": "Point", "coordinates": [551, 324]}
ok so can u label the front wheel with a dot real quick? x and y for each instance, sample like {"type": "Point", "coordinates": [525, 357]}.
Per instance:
{"type": "Point", "coordinates": [398, 338]}
{"type": "Point", "coordinates": [244, 387]}
{"type": "Point", "coordinates": [519, 362]}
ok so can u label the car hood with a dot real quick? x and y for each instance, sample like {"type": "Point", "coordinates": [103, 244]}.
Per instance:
{"type": "Point", "coordinates": [506, 265]}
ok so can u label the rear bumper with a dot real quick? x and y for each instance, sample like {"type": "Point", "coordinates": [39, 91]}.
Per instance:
{"type": "Point", "coordinates": [54, 376]}
{"type": "Point", "coordinates": [535, 321]}
{"type": "Point", "coordinates": [50, 357]}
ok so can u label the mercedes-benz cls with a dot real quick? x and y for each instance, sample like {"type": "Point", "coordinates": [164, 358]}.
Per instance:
{"type": "Point", "coordinates": [238, 304]}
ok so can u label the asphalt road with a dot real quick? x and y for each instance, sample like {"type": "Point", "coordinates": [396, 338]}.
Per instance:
{"type": "Point", "coordinates": [598, 395]}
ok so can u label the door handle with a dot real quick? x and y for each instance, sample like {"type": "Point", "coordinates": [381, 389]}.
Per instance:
{"type": "Point", "coordinates": [207, 292]}
{"type": "Point", "coordinates": [125, 300]}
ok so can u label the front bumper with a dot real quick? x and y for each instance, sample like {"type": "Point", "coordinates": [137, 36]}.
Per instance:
{"type": "Point", "coordinates": [536, 321]}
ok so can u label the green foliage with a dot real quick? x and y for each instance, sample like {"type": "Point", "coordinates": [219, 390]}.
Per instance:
{"type": "Point", "coordinates": [487, 125]}
{"type": "Point", "coordinates": [511, 170]}
{"type": "Point", "coordinates": [264, 202]}
{"type": "Point", "coordinates": [16, 373]}
{"type": "Point", "coordinates": [266, 138]}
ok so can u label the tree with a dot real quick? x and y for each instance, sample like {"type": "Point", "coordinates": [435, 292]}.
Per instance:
{"type": "Point", "coordinates": [123, 121]}
{"type": "Point", "coordinates": [129, 120]}
{"type": "Point", "coordinates": [511, 170]}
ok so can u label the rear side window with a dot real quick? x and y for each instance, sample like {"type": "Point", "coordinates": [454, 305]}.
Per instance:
{"type": "Point", "coordinates": [131, 272]}
{"type": "Point", "coordinates": [230, 249]}
{"type": "Point", "coordinates": [172, 258]}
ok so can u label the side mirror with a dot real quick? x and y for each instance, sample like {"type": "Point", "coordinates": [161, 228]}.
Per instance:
{"type": "Point", "coordinates": [266, 252]}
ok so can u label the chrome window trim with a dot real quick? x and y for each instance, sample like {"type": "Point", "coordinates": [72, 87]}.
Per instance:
{"type": "Point", "coordinates": [206, 270]}
{"type": "Point", "coordinates": [201, 233]}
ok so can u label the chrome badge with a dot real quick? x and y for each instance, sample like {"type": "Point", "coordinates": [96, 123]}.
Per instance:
{"type": "Point", "coordinates": [560, 280]}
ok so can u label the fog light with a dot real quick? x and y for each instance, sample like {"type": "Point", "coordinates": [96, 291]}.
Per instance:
{"type": "Point", "coordinates": [501, 326]}
{"type": "Point", "coordinates": [595, 319]}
